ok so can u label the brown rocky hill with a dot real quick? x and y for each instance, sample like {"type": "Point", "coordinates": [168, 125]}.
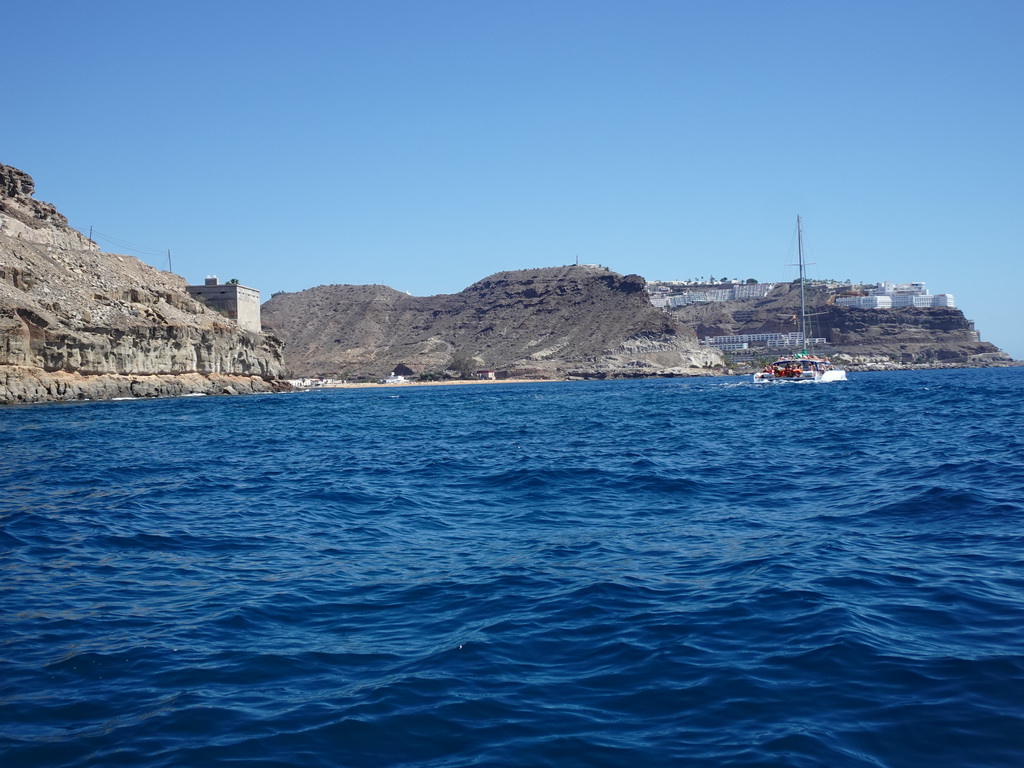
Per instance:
{"type": "Point", "coordinates": [902, 335]}
{"type": "Point", "coordinates": [79, 323]}
{"type": "Point", "coordinates": [556, 321]}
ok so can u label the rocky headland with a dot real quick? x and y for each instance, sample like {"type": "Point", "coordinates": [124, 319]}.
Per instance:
{"type": "Point", "coordinates": [866, 339]}
{"type": "Point", "coordinates": [77, 323]}
{"type": "Point", "coordinates": [555, 322]}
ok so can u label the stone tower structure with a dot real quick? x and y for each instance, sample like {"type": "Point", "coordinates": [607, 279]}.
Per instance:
{"type": "Point", "coordinates": [237, 302]}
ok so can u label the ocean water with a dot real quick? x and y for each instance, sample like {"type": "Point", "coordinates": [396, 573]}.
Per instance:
{"type": "Point", "coordinates": [658, 573]}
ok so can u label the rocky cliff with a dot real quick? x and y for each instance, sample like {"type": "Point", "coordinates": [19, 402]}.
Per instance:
{"type": "Point", "coordinates": [79, 323]}
{"type": "Point", "coordinates": [562, 321]}
{"type": "Point", "coordinates": [904, 335]}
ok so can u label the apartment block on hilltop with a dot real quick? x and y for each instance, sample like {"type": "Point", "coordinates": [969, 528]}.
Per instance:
{"type": "Point", "coordinates": [887, 295]}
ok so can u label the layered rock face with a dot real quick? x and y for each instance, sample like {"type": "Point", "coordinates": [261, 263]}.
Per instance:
{"type": "Point", "coordinates": [560, 321]}
{"type": "Point", "coordinates": [904, 335]}
{"type": "Point", "coordinates": [79, 323]}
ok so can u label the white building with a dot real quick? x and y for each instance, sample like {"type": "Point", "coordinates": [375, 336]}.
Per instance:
{"type": "Point", "coordinates": [886, 294]}
{"type": "Point", "coordinates": [911, 300]}
{"type": "Point", "coordinates": [865, 302]}
{"type": "Point", "coordinates": [941, 300]}
{"type": "Point", "coordinates": [752, 290]}
{"type": "Point", "coordinates": [700, 297]}
{"type": "Point", "coordinates": [745, 340]}
{"type": "Point", "coordinates": [887, 288]}
{"type": "Point", "coordinates": [674, 294]}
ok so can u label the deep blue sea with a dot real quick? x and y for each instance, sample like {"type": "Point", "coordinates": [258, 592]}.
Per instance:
{"type": "Point", "coordinates": [686, 572]}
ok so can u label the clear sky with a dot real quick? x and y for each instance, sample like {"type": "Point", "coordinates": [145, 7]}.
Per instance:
{"type": "Point", "coordinates": [425, 144]}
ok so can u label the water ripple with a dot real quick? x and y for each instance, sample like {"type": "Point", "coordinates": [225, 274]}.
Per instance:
{"type": "Point", "coordinates": [697, 572]}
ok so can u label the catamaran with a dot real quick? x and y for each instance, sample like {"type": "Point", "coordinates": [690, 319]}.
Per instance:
{"type": "Point", "coordinates": [803, 365]}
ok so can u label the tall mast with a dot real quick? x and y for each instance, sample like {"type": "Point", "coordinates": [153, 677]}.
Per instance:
{"type": "Point", "coordinates": [800, 256]}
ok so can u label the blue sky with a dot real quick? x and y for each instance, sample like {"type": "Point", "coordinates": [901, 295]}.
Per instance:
{"type": "Point", "coordinates": [427, 144]}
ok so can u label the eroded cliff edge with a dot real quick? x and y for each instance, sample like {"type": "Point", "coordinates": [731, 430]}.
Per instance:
{"type": "Point", "coordinates": [79, 323]}
{"type": "Point", "coordinates": [575, 321]}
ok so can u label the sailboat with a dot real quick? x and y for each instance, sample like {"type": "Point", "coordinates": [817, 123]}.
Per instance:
{"type": "Point", "coordinates": [802, 366]}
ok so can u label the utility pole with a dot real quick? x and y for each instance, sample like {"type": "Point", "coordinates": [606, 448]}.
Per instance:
{"type": "Point", "coordinates": [170, 268]}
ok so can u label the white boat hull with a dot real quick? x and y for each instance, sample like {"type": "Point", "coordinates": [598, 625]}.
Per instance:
{"type": "Point", "coordinates": [824, 377]}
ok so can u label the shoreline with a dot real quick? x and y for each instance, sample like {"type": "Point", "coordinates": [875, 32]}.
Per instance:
{"type": "Point", "coordinates": [26, 385]}
{"type": "Point", "coordinates": [729, 372]}
{"type": "Point", "coordinates": [448, 383]}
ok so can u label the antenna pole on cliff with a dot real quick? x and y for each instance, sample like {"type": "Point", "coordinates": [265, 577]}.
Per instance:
{"type": "Point", "coordinates": [170, 268]}
{"type": "Point", "coordinates": [90, 233]}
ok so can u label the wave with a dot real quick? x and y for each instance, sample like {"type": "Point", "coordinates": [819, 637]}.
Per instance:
{"type": "Point", "coordinates": [670, 572]}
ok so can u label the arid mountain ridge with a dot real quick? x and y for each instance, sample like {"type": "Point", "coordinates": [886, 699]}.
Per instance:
{"type": "Point", "coordinates": [574, 321]}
